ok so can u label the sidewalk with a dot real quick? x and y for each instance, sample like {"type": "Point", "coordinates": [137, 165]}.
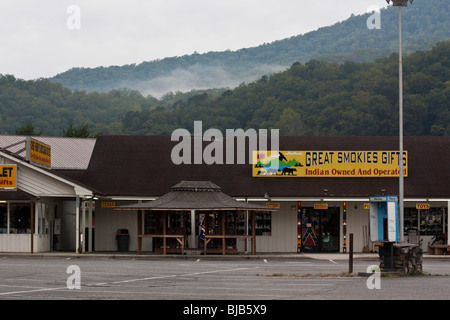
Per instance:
{"type": "Point", "coordinates": [133, 255]}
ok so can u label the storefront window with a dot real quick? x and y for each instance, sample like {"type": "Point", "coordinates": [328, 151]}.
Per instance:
{"type": "Point", "coordinates": [263, 224]}
{"type": "Point", "coordinates": [428, 222]}
{"type": "Point", "coordinates": [176, 223]}
{"type": "Point", "coordinates": [411, 219]}
{"type": "Point", "coordinates": [235, 222]}
{"type": "Point", "coordinates": [3, 218]}
{"type": "Point", "coordinates": [20, 218]}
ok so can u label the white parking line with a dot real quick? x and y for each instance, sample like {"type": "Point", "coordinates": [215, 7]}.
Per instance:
{"type": "Point", "coordinates": [29, 291]}
{"type": "Point", "coordinates": [127, 281]}
{"type": "Point", "coordinates": [182, 275]}
{"type": "Point", "coordinates": [332, 261]}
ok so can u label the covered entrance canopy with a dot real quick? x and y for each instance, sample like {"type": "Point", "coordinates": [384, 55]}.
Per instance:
{"type": "Point", "coordinates": [191, 196]}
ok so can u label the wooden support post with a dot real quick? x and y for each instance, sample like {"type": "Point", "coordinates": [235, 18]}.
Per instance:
{"type": "Point", "coordinates": [253, 234]}
{"type": "Point", "coordinates": [32, 228]}
{"type": "Point", "coordinates": [246, 229]}
{"type": "Point", "coordinates": [89, 235]}
{"type": "Point", "coordinates": [448, 223]}
{"type": "Point", "coordinates": [83, 226]}
{"type": "Point", "coordinates": [223, 233]}
{"type": "Point", "coordinates": [192, 243]}
{"type": "Point", "coordinates": [164, 232]}
{"type": "Point", "coordinates": [350, 258]}
{"type": "Point", "coordinates": [77, 224]}
{"type": "Point", "coordinates": [139, 231]}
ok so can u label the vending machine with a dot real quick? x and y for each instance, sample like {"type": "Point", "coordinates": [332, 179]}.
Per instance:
{"type": "Point", "coordinates": [384, 226]}
{"type": "Point", "coordinates": [384, 219]}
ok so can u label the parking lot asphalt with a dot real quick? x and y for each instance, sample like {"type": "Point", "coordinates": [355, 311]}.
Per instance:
{"type": "Point", "coordinates": [197, 277]}
{"type": "Point", "coordinates": [220, 286]}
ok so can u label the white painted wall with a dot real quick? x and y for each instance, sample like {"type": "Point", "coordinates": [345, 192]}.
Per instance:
{"type": "Point", "coordinates": [284, 231]}
{"type": "Point", "coordinates": [15, 242]}
{"type": "Point", "coordinates": [41, 243]}
{"type": "Point", "coordinates": [107, 221]}
{"type": "Point", "coordinates": [357, 218]}
{"type": "Point", "coordinates": [21, 243]}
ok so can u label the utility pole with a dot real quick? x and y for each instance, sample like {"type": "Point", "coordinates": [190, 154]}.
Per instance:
{"type": "Point", "coordinates": [400, 4]}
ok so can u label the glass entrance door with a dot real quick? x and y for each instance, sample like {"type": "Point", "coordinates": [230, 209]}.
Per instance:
{"type": "Point", "coordinates": [320, 230]}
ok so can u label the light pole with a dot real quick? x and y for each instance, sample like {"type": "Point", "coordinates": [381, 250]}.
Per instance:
{"type": "Point", "coordinates": [400, 4]}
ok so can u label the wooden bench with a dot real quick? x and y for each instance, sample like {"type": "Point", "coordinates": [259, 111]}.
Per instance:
{"type": "Point", "coordinates": [199, 251]}
{"type": "Point", "coordinates": [438, 249]}
{"type": "Point", "coordinates": [224, 249]}
{"type": "Point", "coordinates": [164, 249]}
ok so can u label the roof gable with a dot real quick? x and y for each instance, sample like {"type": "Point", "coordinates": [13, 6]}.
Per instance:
{"type": "Point", "coordinates": [66, 153]}
{"type": "Point", "coordinates": [40, 182]}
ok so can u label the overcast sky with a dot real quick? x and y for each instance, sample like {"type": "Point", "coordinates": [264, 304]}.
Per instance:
{"type": "Point", "coordinates": [41, 38]}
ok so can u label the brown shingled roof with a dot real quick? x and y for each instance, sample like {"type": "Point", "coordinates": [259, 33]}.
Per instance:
{"type": "Point", "coordinates": [195, 195]}
{"type": "Point", "coordinates": [142, 166]}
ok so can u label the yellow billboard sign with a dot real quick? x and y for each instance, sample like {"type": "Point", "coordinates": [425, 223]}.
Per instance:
{"type": "Point", "coordinates": [39, 153]}
{"type": "Point", "coordinates": [339, 164]}
{"type": "Point", "coordinates": [8, 176]}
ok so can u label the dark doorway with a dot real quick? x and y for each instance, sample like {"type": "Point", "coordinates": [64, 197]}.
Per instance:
{"type": "Point", "coordinates": [320, 230]}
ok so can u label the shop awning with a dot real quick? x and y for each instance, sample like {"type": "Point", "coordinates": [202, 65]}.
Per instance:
{"type": "Point", "coordinates": [16, 195]}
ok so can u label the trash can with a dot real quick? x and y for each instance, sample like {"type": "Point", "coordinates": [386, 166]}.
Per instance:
{"type": "Point", "coordinates": [123, 238]}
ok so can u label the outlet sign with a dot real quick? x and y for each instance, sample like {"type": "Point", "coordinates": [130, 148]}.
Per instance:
{"type": "Point", "coordinates": [8, 177]}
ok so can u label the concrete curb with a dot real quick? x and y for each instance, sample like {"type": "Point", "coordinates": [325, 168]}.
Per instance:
{"type": "Point", "coordinates": [150, 256]}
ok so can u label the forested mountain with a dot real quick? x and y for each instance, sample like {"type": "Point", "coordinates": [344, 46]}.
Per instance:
{"type": "Point", "coordinates": [424, 25]}
{"type": "Point", "coordinates": [322, 99]}
{"type": "Point", "coordinates": [312, 98]}
{"type": "Point", "coordinates": [53, 109]}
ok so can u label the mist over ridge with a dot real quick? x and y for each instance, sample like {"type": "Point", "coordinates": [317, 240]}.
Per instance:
{"type": "Point", "coordinates": [424, 25]}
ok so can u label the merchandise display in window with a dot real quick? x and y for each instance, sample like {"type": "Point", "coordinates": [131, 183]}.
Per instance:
{"type": "Point", "coordinates": [427, 222]}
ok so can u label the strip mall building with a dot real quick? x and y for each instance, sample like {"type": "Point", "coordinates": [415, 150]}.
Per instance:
{"type": "Point", "coordinates": [63, 194]}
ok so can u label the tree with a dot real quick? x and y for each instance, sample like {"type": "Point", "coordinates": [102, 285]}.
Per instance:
{"type": "Point", "coordinates": [290, 123]}
{"type": "Point", "coordinates": [28, 130]}
{"type": "Point", "coordinates": [80, 132]}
